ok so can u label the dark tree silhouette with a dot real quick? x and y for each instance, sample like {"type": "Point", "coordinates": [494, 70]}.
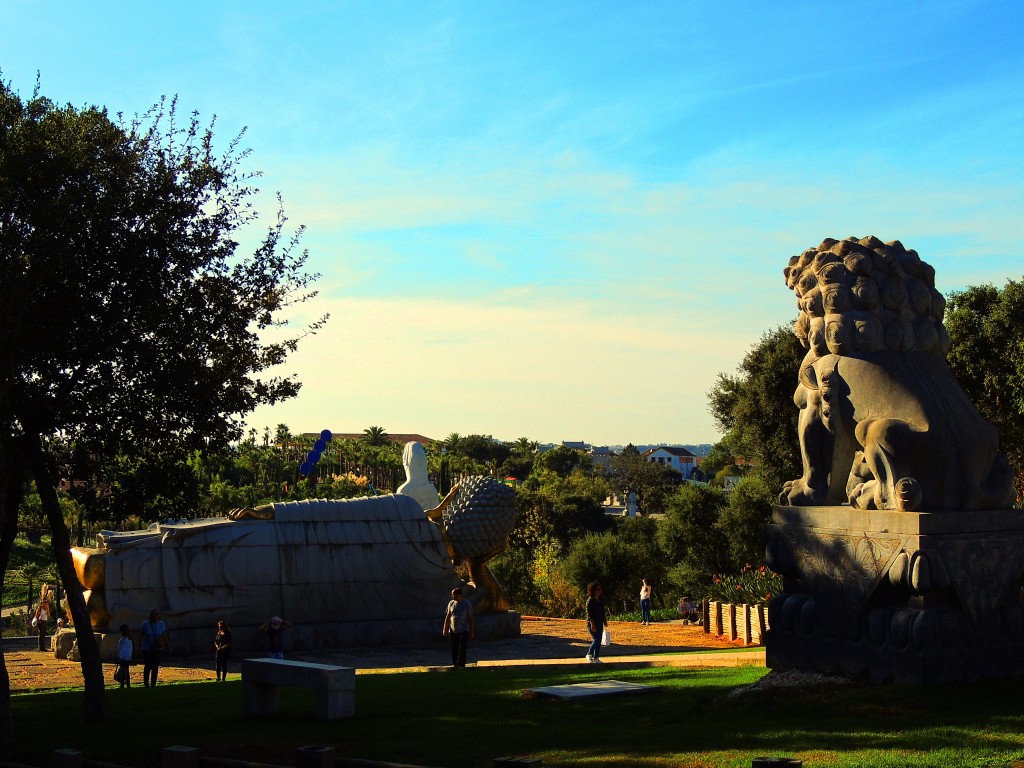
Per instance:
{"type": "Point", "coordinates": [128, 319]}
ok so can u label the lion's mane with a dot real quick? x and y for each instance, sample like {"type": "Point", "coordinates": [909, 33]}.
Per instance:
{"type": "Point", "coordinates": [859, 296]}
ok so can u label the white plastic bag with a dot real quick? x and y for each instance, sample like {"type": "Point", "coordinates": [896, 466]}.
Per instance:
{"type": "Point", "coordinates": [35, 622]}
{"type": "Point", "coordinates": [606, 638]}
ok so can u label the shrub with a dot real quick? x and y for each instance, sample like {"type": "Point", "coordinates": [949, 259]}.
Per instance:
{"type": "Point", "coordinates": [564, 598]}
{"type": "Point", "coordinates": [514, 570]}
{"type": "Point", "coordinates": [751, 585]}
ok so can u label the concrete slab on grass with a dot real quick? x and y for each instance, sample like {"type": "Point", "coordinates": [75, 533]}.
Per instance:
{"type": "Point", "coordinates": [596, 689]}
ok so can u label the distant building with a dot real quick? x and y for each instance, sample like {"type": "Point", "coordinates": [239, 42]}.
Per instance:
{"type": "Point", "coordinates": [602, 456]}
{"type": "Point", "coordinates": [675, 456]}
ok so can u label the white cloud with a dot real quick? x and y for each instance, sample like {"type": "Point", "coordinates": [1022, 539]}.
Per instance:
{"type": "Point", "coordinates": [548, 368]}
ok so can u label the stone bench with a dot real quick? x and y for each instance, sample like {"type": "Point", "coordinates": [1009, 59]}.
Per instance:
{"type": "Point", "coordinates": [335, 687]}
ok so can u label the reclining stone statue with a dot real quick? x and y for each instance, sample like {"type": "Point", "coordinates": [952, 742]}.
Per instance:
{"type": "Point", "coordinates": [883, 422]}
{"type": "Point", "coordinates": [354, 572]}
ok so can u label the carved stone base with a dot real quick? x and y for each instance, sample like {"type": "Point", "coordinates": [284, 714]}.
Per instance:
{"type": "Point", "coordinates": [918, 597]}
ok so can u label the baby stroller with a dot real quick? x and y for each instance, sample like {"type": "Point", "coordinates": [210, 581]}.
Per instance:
{"type": "Point", "coordinates": [689, 611]}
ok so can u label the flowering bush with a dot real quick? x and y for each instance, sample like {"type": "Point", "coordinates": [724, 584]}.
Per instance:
{"type": "Point", "coordinates": [751, 585]}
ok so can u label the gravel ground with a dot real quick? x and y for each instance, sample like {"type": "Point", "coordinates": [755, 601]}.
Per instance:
{"type": "Point", "coordinates": [541, 639]}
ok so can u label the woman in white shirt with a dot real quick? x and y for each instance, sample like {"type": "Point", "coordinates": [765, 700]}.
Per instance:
{"type": "Point", "coordinates": [41, 620]}
{"type": "Point", "coordinates": [645, 602]}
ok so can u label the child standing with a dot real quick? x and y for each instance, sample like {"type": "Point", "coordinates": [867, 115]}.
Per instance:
{"type": "Point", "coordinates": [222, 645]}
{"type": "Point", "coordinates": [124, 657]}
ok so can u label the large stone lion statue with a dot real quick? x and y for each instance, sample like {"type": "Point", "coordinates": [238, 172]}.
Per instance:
{"type": "Point", "coordinates": [883, 422]}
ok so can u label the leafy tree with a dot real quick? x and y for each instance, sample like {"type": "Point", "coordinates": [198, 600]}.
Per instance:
{"type": "Point", "coordinates": [601, 557]}
{"type": "Point", "coordinates": [563, 461]}
{"type": "Point", "coordinates": [745, 517]}
{"type": "Point", "coordinates": [986, 330]}
{"type": "Point", "coordinates": [486, 452]}
{"type": "Point", "coordinates": [151, 484]}
{"type": "Point", "coordinates": [755, 407]}
{"type": "Point", "coordinates": [522, 456]}
{"type": "Point", "coordinates": [31, 512]}
{"type": "Point", "coordinates": [515, 572]}
{"type": "Point", "coordinates": [652, 483]}
{"type": "Point", "coordinates": [691, 538]}
{"type": "Point", "coordinates": [222, 496]}
{"type": "Point", "coordinates": [128, 319]}
{"type": "Point", "coordinates": [347, 486]}
{"type": "Point", "coordinates": [532, 525]}
{"type": "Point", "coordinates": [567, 507]}
{"type": "Point", "coordinates": [721, 456]}
{"type": "Point", "coordinates": [639, 537]}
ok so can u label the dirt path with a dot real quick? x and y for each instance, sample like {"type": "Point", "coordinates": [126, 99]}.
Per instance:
{"type": "Point", "coordinates": [541, 639]}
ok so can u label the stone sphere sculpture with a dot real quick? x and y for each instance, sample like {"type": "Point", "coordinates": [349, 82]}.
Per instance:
{"type": "Point", "coordinates": [476, 518]}
{"type": "Point", "coordinates": [883, 422]}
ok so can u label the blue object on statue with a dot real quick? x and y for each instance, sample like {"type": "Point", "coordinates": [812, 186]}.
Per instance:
{"type": "Point", "coordinates": [313, 457]}
{"type": "Point", "coordinates": [326, 435]}
{"type": "Point", "coordinates": [305, 468]}
{"type": "Point", "coordinates": [319, 446]}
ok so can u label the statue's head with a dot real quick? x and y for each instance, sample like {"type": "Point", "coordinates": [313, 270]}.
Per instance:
{"type": "Point", "coordinates": [414, 459]}
{"type": "Point", "coordinates": [859, 296]}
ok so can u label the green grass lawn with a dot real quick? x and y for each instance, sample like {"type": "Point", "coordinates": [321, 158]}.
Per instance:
{"type": "Point", "coordinates": [465, 718]}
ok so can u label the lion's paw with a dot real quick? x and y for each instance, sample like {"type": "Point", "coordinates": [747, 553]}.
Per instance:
{"type": "Point", "coordinates": [797, 493]}
{"type": "Point", "coordinates": [862, 495]}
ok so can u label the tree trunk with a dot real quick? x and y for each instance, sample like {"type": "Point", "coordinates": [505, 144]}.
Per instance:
{"type": "Point", "coordinates": [10, 499]}
{"type": "Point", "coordinates": [92, 666]}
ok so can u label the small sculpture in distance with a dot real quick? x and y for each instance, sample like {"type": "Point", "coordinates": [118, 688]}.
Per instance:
{"type": "Point", "coordinates": [883, 422]}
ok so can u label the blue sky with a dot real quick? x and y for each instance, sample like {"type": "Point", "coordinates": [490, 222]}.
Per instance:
{"type": "Point", "coordinates": [562, 221]}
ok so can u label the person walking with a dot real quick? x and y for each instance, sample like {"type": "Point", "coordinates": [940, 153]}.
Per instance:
{"type": "Point", "coordinates": [645, 602]}
{"type": "Point", "coordinates": [222, 646]}
{"type": "Point", "coordinates": [124, 657]}
{"type": "Point", "coordinates": [154, 638]}
{"type": "Point", "coordinates": [459, 626]}
{"type": "Point", "coordinates": [275, 627]}
{"type": "Point", "coordinates": [596, 621]}
{"type": "Point", "coordinates": [41, 621]}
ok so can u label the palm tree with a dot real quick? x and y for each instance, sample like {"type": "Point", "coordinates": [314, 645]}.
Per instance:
{"type": "Point", "coordinates": [525, 445]}
{"type": "Point", "coordinates": [451, 443]}
{"type": "Point", "coordinates": [375, 436]}
{"type": "Point", "coordinates": [282, 435]}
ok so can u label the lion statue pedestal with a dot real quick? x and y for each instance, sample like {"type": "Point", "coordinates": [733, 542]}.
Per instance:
{"type": "Point", "coordinates": [885, 595]}
{"type": "Point", "coordinates": [900, 557]}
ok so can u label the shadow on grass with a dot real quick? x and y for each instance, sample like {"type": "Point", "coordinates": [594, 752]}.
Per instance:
{"type": "Point", "coordinates": [465, 718]}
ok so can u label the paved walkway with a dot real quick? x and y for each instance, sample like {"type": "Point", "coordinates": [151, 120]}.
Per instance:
{"type": "Point", "coordinates": [544, 642]}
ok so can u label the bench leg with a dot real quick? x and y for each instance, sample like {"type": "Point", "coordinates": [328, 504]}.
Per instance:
{"type": "Point", "coordinates": [336, 704]}
{"type": "Point", "coordinates": [258, 698]}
